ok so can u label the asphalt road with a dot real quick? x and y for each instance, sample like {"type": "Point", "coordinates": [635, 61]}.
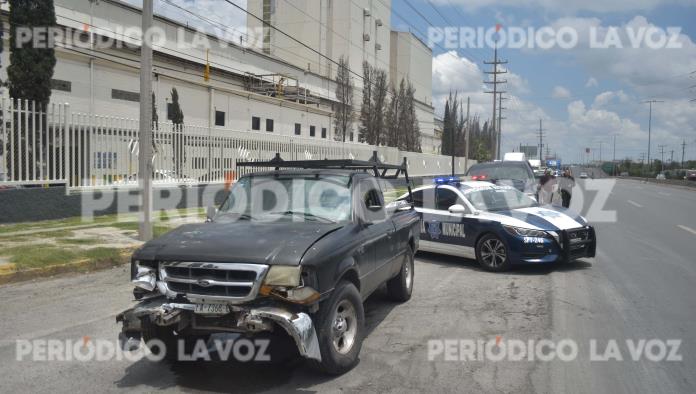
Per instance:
{"type": "Point", "coordinates": [641, 285]}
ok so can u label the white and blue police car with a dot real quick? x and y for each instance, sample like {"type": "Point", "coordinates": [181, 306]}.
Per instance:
{"type": "Point", "coordinates": [498, 226]}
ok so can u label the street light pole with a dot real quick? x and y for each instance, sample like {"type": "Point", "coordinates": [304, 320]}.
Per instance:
{"type": "Point", "coordinates": [145, 156]}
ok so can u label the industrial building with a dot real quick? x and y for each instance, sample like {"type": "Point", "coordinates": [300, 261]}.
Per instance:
{"type": "Point", "coordinates": [275, 85]}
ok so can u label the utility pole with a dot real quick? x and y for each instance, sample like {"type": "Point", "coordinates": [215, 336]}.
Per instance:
{"type": "Point", "coordinates": [671, 157]}
{"type": "Point", "coordinates": [613, 157]}
{"type": "Point", "coordinates": [495, 82]}
{"type": "Point", "coordinates": [466, 135]}
{"type": "Point", "coordinates": [541, 140]}
{"type": "Point", "coordinates": [600, 151]}
{"type": "Point", "coordinates": [662, 159]}
{"type": "Point", "coordinates": [650, 102]}
{"type": "Point", "coordinates": [500, 120]}
{"type": "Point", "coordinates": [145, 156]}
{"type": "Point", "coordinates": [683, 149]}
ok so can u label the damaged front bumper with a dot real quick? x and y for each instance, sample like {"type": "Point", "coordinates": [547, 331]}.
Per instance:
{"type": "Point", "coordinates": [161, 311]}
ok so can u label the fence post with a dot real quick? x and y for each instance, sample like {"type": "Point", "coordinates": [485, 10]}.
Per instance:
{"type": "Point", "coordinates": [66, 149]}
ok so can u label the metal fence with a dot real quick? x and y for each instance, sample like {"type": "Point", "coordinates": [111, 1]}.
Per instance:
{"type": "Point", "coordinates": [53, 145]}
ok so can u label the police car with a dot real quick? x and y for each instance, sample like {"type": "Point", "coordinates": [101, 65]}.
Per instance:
{"type": "Point", "coordinates": [498, 225]}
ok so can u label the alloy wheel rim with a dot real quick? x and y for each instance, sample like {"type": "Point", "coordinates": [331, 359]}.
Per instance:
{"type": "Point", "coordinates": [408, 271]}
{"type": "Point", "coordinates": [493, 253]}
{"type": "Point", "coordinates": [344, 327]}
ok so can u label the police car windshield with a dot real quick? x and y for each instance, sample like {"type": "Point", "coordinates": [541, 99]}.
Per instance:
{"type": "Point", "coordinates": [324, 199]}
{"type": "Point", "coordinates": [498, 199]}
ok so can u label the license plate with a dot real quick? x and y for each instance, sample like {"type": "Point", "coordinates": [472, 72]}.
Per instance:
{"type": "Point", "coordinates": [212, 309]}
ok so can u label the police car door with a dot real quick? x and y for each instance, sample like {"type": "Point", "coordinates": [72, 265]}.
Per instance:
{"type": "Point", "coordinates": [446, 232]}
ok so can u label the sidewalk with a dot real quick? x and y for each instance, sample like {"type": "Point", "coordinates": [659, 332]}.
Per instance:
{"type": "Point", "coordinates": [40, 249]}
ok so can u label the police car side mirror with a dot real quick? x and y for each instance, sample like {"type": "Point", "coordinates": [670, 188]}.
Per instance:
{"type": "Point", "coordinates": [457, 208]}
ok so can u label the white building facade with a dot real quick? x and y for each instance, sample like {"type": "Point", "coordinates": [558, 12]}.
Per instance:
{"type": "Point", "coordinates": [282, 87]}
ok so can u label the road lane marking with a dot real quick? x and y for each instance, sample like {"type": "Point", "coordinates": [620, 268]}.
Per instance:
{"type": "Point", "coordinates": [664, 194]}
{"type": "Point", "coordinates": [689, 229]}
{"type": "Point", "coordinates": [634, 203]}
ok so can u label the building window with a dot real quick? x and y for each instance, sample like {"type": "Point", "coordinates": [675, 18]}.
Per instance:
{"type": "Point", "coordinates": [323, 132]}
{"type": "Point", "coordinates": [269, 125]}
{"type": "Point", "coordinates": [298, 129]}
{"type": "Point", "coordinates": [255, 123]}
{"type": "Point", "coordinates": [312, 131]}
{"type": "Point", "coordinates": [117, 94]}
{"type": "Point", "coordinates": [219, 118]}
{"type": "Point", "coordinates": [105, 160]}
{"type": "Point", "coordinates": [352, 136]}
{"type": "Point", "coordinates": [63, 86]}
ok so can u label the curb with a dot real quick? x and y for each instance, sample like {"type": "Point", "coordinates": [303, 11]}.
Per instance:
{"type": "Point", "coordinates": [82, 266]}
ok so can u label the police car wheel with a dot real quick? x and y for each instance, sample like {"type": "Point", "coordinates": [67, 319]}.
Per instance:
{"type": "Point", "coordinates": [400, 287]}
{"type": "Point", "coordinates": [492, 254]}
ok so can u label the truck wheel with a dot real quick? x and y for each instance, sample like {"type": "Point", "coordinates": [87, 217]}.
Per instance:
{"type": "Point", "coordinates": [400, 287]}
{"type": "Point", "coordinates": [340, 325]}
{"type": "Point", "coordinates": [170, 340]}
{"type": "Point", "coordinates": [492, 254]}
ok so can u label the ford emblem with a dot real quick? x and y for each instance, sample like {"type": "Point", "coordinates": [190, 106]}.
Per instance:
{"type": "Point", "coordinates": [204, 283]}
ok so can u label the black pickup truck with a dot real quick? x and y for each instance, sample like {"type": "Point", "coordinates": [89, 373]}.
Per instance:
{"type": "Point", "coordinates": [293, 250]}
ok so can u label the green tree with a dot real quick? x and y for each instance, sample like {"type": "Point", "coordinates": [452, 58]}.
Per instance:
{"type": "Point", "coordinates": [344, 95]}
{"type": "Point", "coordinates": [29, 78]}
{"type": "Point", "coordinates": [31, 69]}
{"type": "Point", "coordinates": [176, 115]}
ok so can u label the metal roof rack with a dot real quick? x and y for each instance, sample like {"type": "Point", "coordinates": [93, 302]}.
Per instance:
{"type": "Point", "coordinates": [378, 168]}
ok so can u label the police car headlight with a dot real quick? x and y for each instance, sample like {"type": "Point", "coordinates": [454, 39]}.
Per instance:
{"type": "Point", "coordinates": [526, 232]}
{"type": "Point", "coordinates": [283, 275]}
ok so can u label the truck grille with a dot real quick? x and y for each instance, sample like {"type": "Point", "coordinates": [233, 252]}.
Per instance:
{"type": "Point", "coordinates": [202, 282]}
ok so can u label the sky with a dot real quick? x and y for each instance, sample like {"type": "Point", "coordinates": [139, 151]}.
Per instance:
{"type": "Point", "coordinates": [586, 94]}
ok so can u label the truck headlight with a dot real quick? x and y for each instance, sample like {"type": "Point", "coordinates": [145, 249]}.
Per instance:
{"type": "Point", "coordinates": [526, 232]}
{"type": "Point", "coordinates": [145, 277]}
{"type": "Point", "coordinates": [283, 275]}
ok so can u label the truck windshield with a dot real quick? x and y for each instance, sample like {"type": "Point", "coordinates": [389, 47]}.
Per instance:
{"type": "Point", "coordinates": [297, 198]}
{"type": "Point", "coordinates": [498, 199]}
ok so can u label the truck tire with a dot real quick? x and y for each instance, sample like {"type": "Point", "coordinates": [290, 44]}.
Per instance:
{"type": "Point", "coordinates": [400, 287]}
{"type": "Point", "coordinates": [492, 253]}
{"type": "Point", "coordinates": [170, 340]}
{"type": "Point", "coordinates": [340, 324]}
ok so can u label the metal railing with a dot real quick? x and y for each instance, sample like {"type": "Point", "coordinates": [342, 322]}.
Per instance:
{"type": "Point", "coordinates": [52, 145]}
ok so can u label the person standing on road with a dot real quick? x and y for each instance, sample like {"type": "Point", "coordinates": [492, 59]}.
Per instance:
{"type": "Point", "coordinates": [548, 191]}
{"type": "Point", "coordinates": [566, 185]}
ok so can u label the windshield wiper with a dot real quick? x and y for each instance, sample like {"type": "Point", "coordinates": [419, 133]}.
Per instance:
{"type": "Point", "coordinates": [304, 214]}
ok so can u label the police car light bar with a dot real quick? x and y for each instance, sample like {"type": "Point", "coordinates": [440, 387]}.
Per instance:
{"type": "Point", "coordinates": [442, 181]}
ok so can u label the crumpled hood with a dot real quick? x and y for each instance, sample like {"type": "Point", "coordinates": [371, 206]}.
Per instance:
{"type": "Point", "coordinates": [237, 242]}
{"type": "Point", "coordinates": [550, 218]}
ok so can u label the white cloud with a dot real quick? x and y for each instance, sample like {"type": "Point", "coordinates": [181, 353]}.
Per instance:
{"type": "Point", "coordinates": [650, 72]}
{"type": "Point", "coordinates": [454, 73]}
{"type": "Point", "coordinates": [591, 82]}
{"type": "Point", "coordinates": [560, 92]}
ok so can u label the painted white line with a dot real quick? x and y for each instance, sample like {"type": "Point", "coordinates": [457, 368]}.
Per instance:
{"type": "Point", "coordinates": [689, 229]}
{"type": "Point", "coordinates": [634, 203]}
{"type": "Point", "coordinates": [664, 194]}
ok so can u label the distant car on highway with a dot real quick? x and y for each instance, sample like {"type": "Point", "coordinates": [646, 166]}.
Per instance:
{"type": "Point", "coordinates": [583, 175]}
{"type": "Point", "coordinates": [690, 175]}
{"type": "Point", "coordinates": [517, 174]}
{"type": "Point", "coordinates": [661, 176]}
{"type": "Point", "coordinates": [624, 174]}
{"type": "Point", "coordinates": [499, 226]}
